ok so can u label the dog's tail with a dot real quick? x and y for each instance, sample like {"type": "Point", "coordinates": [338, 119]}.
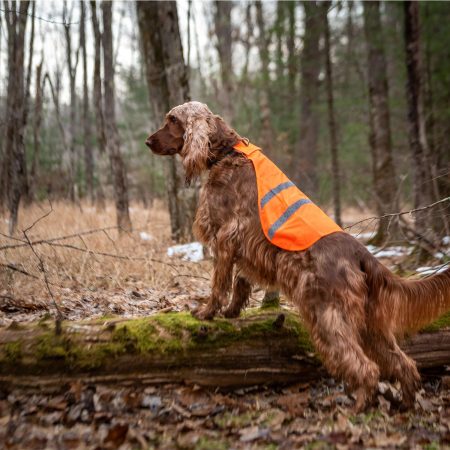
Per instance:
{"type": "Point", "coordinates": [409, 304]}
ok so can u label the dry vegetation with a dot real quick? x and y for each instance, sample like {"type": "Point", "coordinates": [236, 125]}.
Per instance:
{"type": "Point", "coordinates": [93, 270]}
{"type": "Point", "coordinates": [99, 272]}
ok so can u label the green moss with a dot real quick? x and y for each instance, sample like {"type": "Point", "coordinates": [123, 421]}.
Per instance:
{"type": "Point", "coordinates": [51, 346]}
{"type": "Point", "coordinates": [12, 352]}
{"type": "Point", "coordinates": [233, 421]}
{"type": "Point", "coordinates": [206, 443]}
{"type": "Point", "coordinates": [442, 322]}
{"type": "Point", "coordinates": [178, 333]}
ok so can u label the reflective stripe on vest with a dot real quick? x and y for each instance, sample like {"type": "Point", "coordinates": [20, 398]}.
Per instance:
{"type": "Point", "coordinates": [289, 219]}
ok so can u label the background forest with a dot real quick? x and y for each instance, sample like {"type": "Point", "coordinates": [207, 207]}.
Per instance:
{"type": "Point", "coordinates": [98, 271]}
{"type": "Point", "coordinates": [351, 99]}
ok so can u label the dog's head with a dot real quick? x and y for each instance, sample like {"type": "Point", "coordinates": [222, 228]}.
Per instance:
{"type": "Point", "coordinates": [195, 133]}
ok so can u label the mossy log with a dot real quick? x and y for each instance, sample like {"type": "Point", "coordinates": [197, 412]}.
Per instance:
{"type": "Point", "coordinates": [263, 346]}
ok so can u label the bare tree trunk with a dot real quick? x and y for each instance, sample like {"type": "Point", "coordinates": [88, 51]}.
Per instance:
{"type": "Point", "coordinates": [336, 176]}
{"type": "Point", "coordinates": [98, 102]}
{"type": "Point", "coordinates": [384, 178]}
{"type": "Point", "coordinates": [168, 86]}
{"type": "Point", "coordinates": [417, 137]}
{"type": "Point", "coordinates": [112, 134]}
{"type": "Point", "coordinates": [14, 162]}
{"type": "Point", "coordinates": [280, 33]}
{"type": "Point", "coordinates": [292, 60]}
{"type": "Point", "coordinates": [263, 46]}
{"type": "Point", "coordinates": [55, 97]}
{"type": "Point", "coordinates": [72, 71]}
{"type": "Point", "coordinates": [37, 121]}
{"type": "Point", "coordinates": [306, 160]}
{"type": "Point", "coordinates": [30, 67]}
{"type": "Point", "coordinates": [222, 23]}
{"type": "Point", "coordinates": [88, 154]}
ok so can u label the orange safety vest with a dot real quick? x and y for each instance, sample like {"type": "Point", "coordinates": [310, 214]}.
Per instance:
{"type": "Point", "coordinates": [288, 217]}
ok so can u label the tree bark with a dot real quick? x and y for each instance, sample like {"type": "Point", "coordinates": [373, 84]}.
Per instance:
{"type": "Point", "coordinates": [72, 66]}
{"type": "Point", "coordinates": [88, 153]}
{"type": "Point", "coordinates": [119, 175]}
{"type": "Point", "coordinates": [292, 57]}
{"type": "Point", "coordinates": [98, 103]}
{"type": "Point", "coordinates": [37, 122]}
{"type": "Point", "coordinates": [168, 86]}
{"type": "Point", "coordinates": [306, 157]}
{"type": "Point", "coordinates": [223, 29]}
{"type": "Point", "coordinates": [14, 175]}
{"type": "Point", "coordinates": [29, 68]}
{"type": "Point", "coordinates": [384, 177]}
{"type": "Point", "coordinates": [265, 346]}
{"type": "Point", "coordinates": [422, 188]}
{"type": "Point", "coordinates": [264, 101]}
{"type": "Point", "coordinates": [336, 176]}
{"type": "Point", "coordinates": [280, 32]}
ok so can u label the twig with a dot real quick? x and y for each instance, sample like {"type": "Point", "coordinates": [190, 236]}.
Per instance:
{"type": "Point", "coordinates": [16, 269]}
{"type": "Point", "coordinates": [54, 22]}
{"type": "Point", "coordinates": [190, 276]}
{"type": "Point", "coordinates": [60, 238]}
{"type": "Point", "coordinates": [41, 266]}
{"type": "Point", "coordinates": [422, 208]}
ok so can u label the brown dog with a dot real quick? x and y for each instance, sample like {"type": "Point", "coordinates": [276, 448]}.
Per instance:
{"type": "Point", "coordinates": [352, 305]}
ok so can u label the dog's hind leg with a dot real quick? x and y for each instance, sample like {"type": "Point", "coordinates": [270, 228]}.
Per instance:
{"type": "Point", "coordinates": [394, 363]}
{"type": "Point", "coordinates": [241, 292]}
{"type": "Point", "coordinates": [337, 341]}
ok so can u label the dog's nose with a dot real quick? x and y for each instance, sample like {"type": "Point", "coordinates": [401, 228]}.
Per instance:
{"type": "Point", "coordinates": [149, 142]}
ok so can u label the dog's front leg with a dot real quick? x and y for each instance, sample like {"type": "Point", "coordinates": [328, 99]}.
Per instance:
{"type": "Point", "coordinates": [221, 279]}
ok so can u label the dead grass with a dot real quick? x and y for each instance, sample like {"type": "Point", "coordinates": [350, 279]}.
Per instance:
{"type": "Point", "coordinates": [134, 263]}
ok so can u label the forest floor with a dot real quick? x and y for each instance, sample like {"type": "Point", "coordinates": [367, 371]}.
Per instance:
{"type": "Point", "coordinates": [93, 272]}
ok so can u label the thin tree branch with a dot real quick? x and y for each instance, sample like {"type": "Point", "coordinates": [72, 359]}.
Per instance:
{"type": "Point", "coordinates": [411, 211]}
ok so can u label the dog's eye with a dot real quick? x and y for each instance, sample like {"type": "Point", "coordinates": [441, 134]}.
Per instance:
{"type": "Point", "coordinates": [173, 119]}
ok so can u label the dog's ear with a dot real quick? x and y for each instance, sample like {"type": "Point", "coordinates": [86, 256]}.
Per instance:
{"type": "Point", "coordinates": [195, 150]}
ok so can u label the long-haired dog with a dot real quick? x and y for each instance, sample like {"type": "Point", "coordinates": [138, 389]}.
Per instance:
{"type": "Point", "coordinates": [352, 305]}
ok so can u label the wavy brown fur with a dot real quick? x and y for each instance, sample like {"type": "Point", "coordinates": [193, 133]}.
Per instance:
{"type": "Point", "coordinates": [352, 305]}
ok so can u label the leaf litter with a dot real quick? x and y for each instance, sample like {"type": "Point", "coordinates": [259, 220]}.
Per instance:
{"type": "Point", "coordinates": [138, 416]}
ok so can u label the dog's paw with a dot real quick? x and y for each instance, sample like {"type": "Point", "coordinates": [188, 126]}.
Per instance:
{"type": "Point", "coordinates": [204, 313]}
{"type": "Point", "coordinates": [231, 313]}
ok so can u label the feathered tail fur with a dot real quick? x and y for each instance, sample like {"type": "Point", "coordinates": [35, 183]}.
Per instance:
{"type": "Point", "coordinates": [409, 304]}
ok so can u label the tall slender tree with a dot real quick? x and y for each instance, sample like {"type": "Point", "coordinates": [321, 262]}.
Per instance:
{"type": "Point", "coordinates": [14, 176]}
{"type": "Point", "coordinates": [306, 154]}
{"type": "Point", "coordinates": [112, 135]}
{"type": "Point", "coordinates": [264, 102]}
{"type": "Point", "coordinates": [72, 59]}
{"type": "Point", "coordinates": [292, 57]}
{"type": "Point", "coordinates": [331, 118]}
{"type": "Point", "coordinates": [223, 29]}
{"type": "Point", "coordinates": [88, 154]}
{"type": "Point", "coordinates": [384, 178]}
{"type": "Point", "coordinates": [422, 184]}
{"type": "Point", "coordinates": [37, 122]}
{"type": "Point", "coordinates": [168, 86]}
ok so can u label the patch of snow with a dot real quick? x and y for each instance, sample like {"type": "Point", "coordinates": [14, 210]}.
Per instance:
{"type": "Point", "coordinates": [145, 236]}
{"type": "Point", "coordinates": [388, 252]}
{"type": "Point", "coordinates": [188, 252]}
{"type": "Point", "coordinates": [430, 270]}
{"type": "Point", "coordinates": [446, 240]}
{"type": "Point", "coordinates": [372, 249]}
{"type": "Point", "coordinates": [363, 236]}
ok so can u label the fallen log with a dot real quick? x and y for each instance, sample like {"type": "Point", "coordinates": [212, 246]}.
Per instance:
{"type": "Point", "coordinates": [263, 346]}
